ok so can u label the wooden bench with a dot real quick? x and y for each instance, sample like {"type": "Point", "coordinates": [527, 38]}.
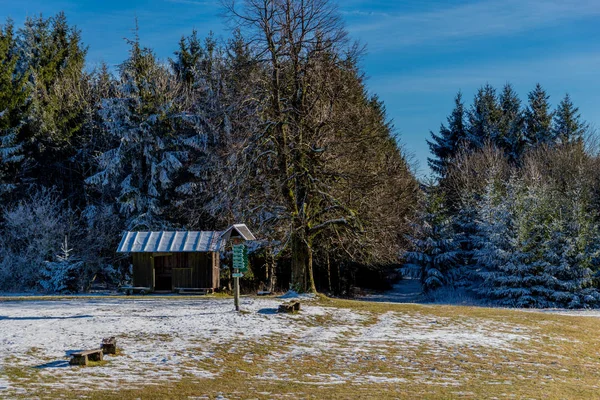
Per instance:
{"type": "Point", "coordinates": [203, 291]}
{"type": "Point", "coordinates": [109, 345]}
{"type": "Point", "coordinates": [129, 290]}
{"type": "Point", "coordinates": [82, 357]}
{"type": "Point", "coordinates": [289, 307]}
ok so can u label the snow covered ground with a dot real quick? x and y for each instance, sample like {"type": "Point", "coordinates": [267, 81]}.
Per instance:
{"type": "Point", "coordinates": [169, 339]}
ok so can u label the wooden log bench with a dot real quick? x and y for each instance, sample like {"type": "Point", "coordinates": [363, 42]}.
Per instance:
{"type": "Point", "coordinates": [129, 290]}
{"type": "Point", "coordinates": [82, 357]}
{"type": "Point", "coordinates": [289, 307]}
{"type": "Point", "coordinates": [109, 345]}
{"type": "Point", "coordinates": [201, 291]}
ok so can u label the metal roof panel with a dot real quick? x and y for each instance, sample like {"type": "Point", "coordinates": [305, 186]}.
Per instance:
{"type": "Point", "coordinates": [179, 241]}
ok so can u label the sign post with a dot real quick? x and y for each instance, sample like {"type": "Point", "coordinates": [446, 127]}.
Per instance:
{"type": "Point", "coordinates": [240, 264]}
{"type": "Point", "coordinates": [236, 289]}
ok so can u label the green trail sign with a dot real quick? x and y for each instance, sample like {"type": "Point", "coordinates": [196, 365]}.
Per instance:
{"type": "Point", "coordinates": [240, 257]}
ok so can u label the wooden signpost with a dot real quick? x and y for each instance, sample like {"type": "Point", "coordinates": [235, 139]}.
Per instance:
{"type": "Point", "coordinates": [240, 265]}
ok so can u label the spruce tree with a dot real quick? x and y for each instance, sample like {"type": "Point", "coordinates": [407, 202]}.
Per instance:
{"type": "Point", "coordinates": [13, 105]}
{"type": "Point", "coordinates": [571, 252]}
{"type": "Point", "coordinates": [484, 118]}
{"type": "Point", "coordinates": [568, 126]}
{"type": "Point", "coordinates": [444, 145]}
{"type": "Point", "coordinates": [538, 118]}
{"type": "Point", "coordinates": [515, 279]}
{"type": "Point", "coordinates": [494, 241]}
{"type": "Point", "coordinates": [52, 54]}
{"type": "Point", "coordinates": [188, 58]}
{"type": "Point", "coordinates": [434, 253]}
{"type": "Point", "coordinates": [141, 169]}
{"type": "Point", "coordinates": [511, 126]}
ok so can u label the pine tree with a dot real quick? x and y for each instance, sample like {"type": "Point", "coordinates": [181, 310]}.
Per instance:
{"type": "Point", "coordinates": [148, 157]}
{"type": "Point", "coordinates": [538, 118]}
{"type": "Point", "coordinates": [434, 253]}
{"type": "Point", "coordinates": [513, 273]}
{"type": "Point", "coordinates": [494, 241]}
{"type": "Point", "coordinates": [484, 118]}
{"type": "Point", "coordinates": [188, 58]}
{"type": "Point", "coordinates": [444, 145]}
{"type": "Point", "coordinates": [568, 127]}
{"type": "Point", "coordinates": [13, 104]}
{"type": "Point", "coordinates": [571, 252]}
{"type": "Point", "coordinates": [53, 57]}
{"type": "Point", "coordinates": [511, 126]}
{"type": "Point", "coordinates": [62, 275]}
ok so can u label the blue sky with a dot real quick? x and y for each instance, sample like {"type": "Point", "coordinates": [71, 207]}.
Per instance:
{"type": "Point", "coordinates": [419, 53]}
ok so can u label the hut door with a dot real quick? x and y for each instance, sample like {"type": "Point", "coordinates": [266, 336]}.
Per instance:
{"type": "Point", "coordinates": [163, 272]}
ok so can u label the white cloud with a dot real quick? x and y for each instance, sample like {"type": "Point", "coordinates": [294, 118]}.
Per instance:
{"type": "Point", "coordinates": [463, 21]}
{"type": "Point", "coordinates": [566, 68]}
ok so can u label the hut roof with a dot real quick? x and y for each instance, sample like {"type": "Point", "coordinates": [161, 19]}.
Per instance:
{"type": "Point", "coordinates": [180, 241]}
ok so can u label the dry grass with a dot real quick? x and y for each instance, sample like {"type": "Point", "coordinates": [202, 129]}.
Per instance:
{"type": "Point", "coordinates": [560, 360]}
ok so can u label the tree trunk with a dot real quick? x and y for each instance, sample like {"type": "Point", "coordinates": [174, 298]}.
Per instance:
{"type": "Point", "coordinates": [329, 274]}
{"type": "Point", "coordinates": [270, 259]}
{"type": "Point", "coordinates": [299, 260]}
{"type": "Point", "coordinates": [311, 277]}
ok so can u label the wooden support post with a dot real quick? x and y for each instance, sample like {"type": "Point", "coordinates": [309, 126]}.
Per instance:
{"type": "Point", "coordinates": [236, 290]}
{"type": "Point", "coordinates": [236, 278]}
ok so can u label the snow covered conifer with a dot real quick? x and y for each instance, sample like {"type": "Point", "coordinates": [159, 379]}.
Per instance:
{"type": "Point", "coordinates": [62, 275]}
{"type": "Point", "coordinates": [494, 240]}
{"type": "Point", "coordinates": [147, 156]}
{"type": "Point", "coordinates": [571, 252]}
{"type": "Point", "coordinates": [13, 99]}
{"type": "Point", "coordinates": [434, 251]}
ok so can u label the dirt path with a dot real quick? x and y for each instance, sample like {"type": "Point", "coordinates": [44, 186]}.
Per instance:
{"type": "Point", "coordinates": [406, 290]}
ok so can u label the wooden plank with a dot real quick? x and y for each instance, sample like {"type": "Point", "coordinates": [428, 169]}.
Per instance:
{"type": "Point", "coordinates": [182, 278]}
{"type": "Point", "coordinates": [142, 270]}
{"type": "Point", "coordinates": [216, 270]}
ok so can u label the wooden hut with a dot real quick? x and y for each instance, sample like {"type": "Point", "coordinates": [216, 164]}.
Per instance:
{"type": "Point", "coordinates": [179, 260]}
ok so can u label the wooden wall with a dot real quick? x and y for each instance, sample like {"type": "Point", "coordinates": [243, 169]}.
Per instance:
{"type": "Point", "coordinates": [143, 273]}
{"type": "Point", "coordinates": [177, 270]}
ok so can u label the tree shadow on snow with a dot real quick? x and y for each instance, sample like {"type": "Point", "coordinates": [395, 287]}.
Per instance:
{"type": "Point", "coordinates": [267, 311]}
{"type": "Point", "coordinates": [53, 364]}
{"type": "Point", "coordinates": [69, 353]}
{"type": "Point", "coordinates": [2, 318]}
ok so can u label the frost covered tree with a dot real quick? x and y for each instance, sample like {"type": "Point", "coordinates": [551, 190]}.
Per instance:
{"type": "Point", "coordinates": [51, 54]}
{"type": "Point", "coordinates": [571, 251]}
{"type": "Point", "coordinates": [494, 241]}
{"type": "Point", "coordinates": [537, 247]}
{"type": "Point", "coordinates": [148, 153]}
{"type": "Point", "coordinates": [62, 275]}
{"type": "Point", "coordinates": [434, 251]}
{"type": "Point", "coordinates": [30, 235]}
{"type": "Point", "coordinates": [13, 102]}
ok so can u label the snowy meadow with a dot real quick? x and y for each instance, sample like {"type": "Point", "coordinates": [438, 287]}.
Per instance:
{"type": "Point", "coordinates": [201, 348]}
